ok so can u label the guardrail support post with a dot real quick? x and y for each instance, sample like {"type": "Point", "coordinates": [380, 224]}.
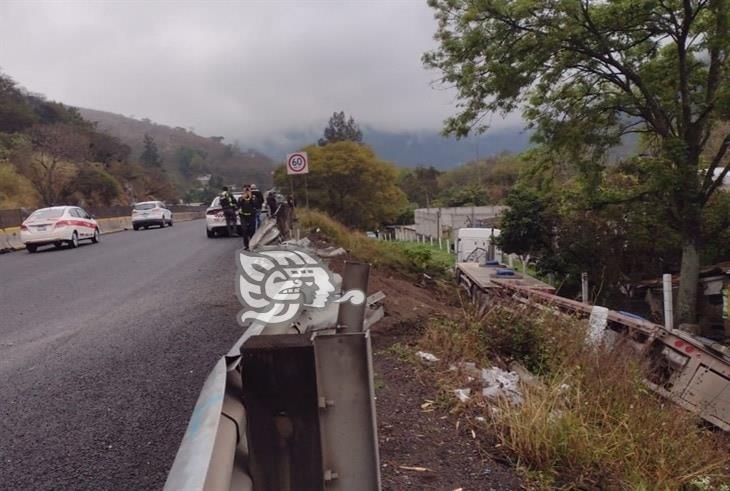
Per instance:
{"type": "Point", "coordinates": [584, 287]}
{"type": "Point", "coordinates": [355, 277]}
{"type": "Point", "coordinates": [668, 310]}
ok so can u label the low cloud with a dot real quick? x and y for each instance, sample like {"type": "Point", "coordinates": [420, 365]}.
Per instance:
{"type": "Point", "coordinates": [253, 72]}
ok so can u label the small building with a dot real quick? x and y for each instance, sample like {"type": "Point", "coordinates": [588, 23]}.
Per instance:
{"type": "Point", "coordinates": [444, 222]}
{"type": "Point", "coordinates": [203, 180]}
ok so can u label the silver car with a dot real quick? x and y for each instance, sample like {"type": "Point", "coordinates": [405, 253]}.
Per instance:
{"type": "Point", "coordinates": [149, 213]}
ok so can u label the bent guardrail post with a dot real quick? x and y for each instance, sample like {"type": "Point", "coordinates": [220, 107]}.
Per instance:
{"type": "Point", "coordinates": [347, 416]}
{"type": "Point", "coordinates": [355, 278]}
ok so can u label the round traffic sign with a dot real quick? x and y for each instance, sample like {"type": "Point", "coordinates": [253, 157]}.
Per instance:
{"type": "Point", "coordinates": [297, 162]}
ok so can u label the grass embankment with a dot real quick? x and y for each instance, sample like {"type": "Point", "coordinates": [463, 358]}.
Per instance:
{"type": "Point", "coordinates": [404, 257]}
{"type": "Point", "coordinates": [590, 423]}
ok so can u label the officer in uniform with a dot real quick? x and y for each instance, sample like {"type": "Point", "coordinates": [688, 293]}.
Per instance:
{"type": "Point", "coordinates": [247, 212]}
{"type": "Point", "coordinates": [228, 203]}
{"type": "Point", "coordinates": [258, 203]}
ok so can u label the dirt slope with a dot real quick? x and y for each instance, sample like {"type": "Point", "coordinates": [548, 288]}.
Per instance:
{"type": "Point", "coordinates": [421, 446]}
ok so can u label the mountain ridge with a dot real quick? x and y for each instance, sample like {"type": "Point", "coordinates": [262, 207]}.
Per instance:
{"type": "Point", "coordinates": [185, 154]}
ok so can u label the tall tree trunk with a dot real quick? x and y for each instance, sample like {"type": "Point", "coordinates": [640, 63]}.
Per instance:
{"type": "Point", "coordinates": [689, 199]}
{"type": "Point", "coordinates": [690, 274]}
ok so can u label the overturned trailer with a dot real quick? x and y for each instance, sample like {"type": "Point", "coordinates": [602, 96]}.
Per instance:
{"type": "Point", "coordinates": [690, 371]}
{"type": "Point", "coordinates": [291, 406]}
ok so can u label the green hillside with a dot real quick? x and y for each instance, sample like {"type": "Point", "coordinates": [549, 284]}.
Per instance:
{"type": "Point", "coordinates": [184, 154]}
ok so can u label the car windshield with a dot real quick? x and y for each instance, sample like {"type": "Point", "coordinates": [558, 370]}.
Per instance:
{"type": "Point", "coordinates": [144, 206]}
{"type": "Point", "coordinates": [47, 213]}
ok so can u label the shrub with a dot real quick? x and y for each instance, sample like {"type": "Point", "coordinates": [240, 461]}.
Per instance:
{"type": "Point", "coordinates": [400, 257]}
{"type": "Point", "coordinates": [591, 423]}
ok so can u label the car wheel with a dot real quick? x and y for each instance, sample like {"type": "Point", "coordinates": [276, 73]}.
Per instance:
{"type": "Point", "coordinates": [74, 242]}
{"type": "Point", "coordinates": [31, 248]}
{"type": "Point", "coordinates": [170, 224]}
{"type": "Point", "coordinates": [135, 227]}
{"type": "Point", "coordinates": [58, 244]}
{"type": "Point", "coordinates": [209, 233]}
{"type": "Point", "coordinates": [95, 239]}
{"type": "Point", "coordinates": [163, 223]}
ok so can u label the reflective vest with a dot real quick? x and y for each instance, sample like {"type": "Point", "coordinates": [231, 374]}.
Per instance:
{"type": "Point", "coordinates": [227, 200]}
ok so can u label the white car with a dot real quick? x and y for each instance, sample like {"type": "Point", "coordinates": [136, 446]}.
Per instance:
{"type": "Point", "coordinates": [58, 225]}
{"type": "Point", "coordinates": [215, 221]}
{"type": "Point", "coordinates": [149, 213]}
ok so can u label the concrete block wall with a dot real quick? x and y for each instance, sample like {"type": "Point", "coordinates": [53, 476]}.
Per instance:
{"type": "Point", "coordinates": [427, 219]}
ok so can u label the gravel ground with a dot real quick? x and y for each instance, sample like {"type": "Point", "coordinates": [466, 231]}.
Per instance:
{"type": "Point", "coordinates": [103, 351]}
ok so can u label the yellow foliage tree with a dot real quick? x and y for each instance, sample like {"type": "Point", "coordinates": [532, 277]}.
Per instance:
{"type": "Point", "coordinates": [349, 182]}
{"type": "Point", "coordinates": [15, 190]}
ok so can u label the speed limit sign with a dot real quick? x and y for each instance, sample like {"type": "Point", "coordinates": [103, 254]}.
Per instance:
{"type": "Point", "coordinates": [297, 163]}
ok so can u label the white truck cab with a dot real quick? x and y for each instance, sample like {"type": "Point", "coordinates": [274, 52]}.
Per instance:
{"type": "Point", "coordinates": [472, 244]}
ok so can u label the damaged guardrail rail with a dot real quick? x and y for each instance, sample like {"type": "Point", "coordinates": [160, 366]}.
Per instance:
{"type": "Point", "coordinates": [291, 406]}
{"type": "Point", "coordinates": [689, 371]}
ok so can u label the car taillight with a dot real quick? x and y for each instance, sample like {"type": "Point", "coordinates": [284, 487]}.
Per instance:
{"type": "Point", "coordinates": [217, 212]}
{"type": "Point", "coordinates": [60, 223]}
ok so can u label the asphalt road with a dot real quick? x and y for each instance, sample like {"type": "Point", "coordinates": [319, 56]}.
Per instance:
{"type": "Point", "coordinates": [103, 351]}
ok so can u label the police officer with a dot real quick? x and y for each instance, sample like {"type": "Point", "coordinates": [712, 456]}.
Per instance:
{"type": "Point", "coordinates": [228, 203]}
{"type": "Point", "coordinates": [258, 203]}
{"type": "Point", "coordinates": [271, 203]}
{"type": "Point", "coordinates": [247, 213]}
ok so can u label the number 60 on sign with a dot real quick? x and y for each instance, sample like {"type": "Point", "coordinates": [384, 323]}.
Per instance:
{"type": "Point", "coordinates": [297, 163]}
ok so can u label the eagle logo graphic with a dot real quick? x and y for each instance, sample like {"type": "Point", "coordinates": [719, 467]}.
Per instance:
{"type": "Point", "coordinates": [274, 286]}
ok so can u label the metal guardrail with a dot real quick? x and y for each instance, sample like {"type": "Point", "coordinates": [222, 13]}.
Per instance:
{"type": "Point", "coordinates": [289, 407]}
{"type": "Point", "coordinates": [691, 372]}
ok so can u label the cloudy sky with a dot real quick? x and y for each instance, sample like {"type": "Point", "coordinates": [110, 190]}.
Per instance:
{"type": "Point", "coordinates": [247, 70]}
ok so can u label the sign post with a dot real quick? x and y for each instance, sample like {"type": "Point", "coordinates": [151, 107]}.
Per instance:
{"type": "Point", "coordinates": [296, 164]}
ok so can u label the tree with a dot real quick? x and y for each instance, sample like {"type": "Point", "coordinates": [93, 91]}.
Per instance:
{"type": "Point", "coordinates": [15, 190]}
{"type": "Point", "coordinates": [48, 158]}
{"type": "Point", "coordinates": [349, 182]}
{"type": "Point", "coordinates": [524, 230]}
{"type": "Point", "coordinates": [150, 155]}
{"type": "Point", "coordinates": [107, 149]}
{"type": "Point", "coordinates": [92, 186]}
{"type": "Point", "coordinates": [341, 129]}
{"type": "Point", "coordinates": [15, 112]}
{"type": "Point", "coordinates": [191, 161]}
{"type": "Point", "coordinates": [588, 73]}
{"type": "Point", "coordinates": [420, 184]}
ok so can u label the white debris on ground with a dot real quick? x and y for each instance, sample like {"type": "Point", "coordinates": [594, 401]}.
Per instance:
{"type": "Point", "coordinates": [462, 394]}
{"type": "Point", "coordinates": [427, 357]}
{"type": "Point", "coordinates": [331, 252]}
{"type": "Point", "coordinates": [501, 384]}
{"type": "Point", "coordinates": [466, 367]}
{"type": "Point", "coordinates": [305, 242]}
{"type": "Point", "coordinates": [496, 383]}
